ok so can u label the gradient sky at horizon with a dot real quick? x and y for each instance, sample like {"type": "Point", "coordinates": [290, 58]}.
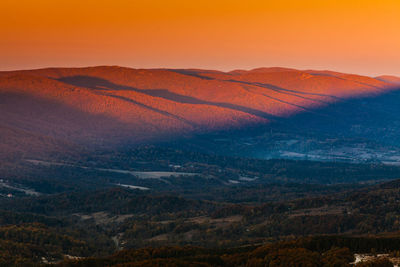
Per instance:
{"type": "Point", "coordinates": [349, 36]}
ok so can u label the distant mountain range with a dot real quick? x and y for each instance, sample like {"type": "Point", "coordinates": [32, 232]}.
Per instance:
{"type": "Point", "coordinates": [65, 109]}
{"type": "Point", "coordinates": [389, 79]}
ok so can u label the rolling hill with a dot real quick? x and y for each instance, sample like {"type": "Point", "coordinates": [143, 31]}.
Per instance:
{"type": "Point", "coordinates": [58, 110]}
{"type": "Point", "coordinates": [110, 106]}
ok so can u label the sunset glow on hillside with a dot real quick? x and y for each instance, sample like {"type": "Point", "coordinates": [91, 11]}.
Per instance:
{"type": "Point", "coordinates": [350, 36]}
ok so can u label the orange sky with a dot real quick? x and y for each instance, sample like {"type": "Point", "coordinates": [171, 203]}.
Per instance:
{"type": "Point", "coordinates": [351, 36]}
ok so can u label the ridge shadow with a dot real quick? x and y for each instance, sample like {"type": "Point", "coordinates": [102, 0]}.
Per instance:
{"type": "Point", "coordinates": [103, 84]}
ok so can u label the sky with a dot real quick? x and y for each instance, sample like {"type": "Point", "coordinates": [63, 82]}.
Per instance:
{"type": "Point", "coordinates": [350, 36]}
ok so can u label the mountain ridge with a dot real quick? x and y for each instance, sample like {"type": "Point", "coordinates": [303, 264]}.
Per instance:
{"type": "Point", "coordinates": [118, 105]}
{"type": "Point", "coordinates": [389, 79]}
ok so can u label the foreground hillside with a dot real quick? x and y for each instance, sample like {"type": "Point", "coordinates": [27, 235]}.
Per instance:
{"type": "Point", "coordinates": [108, 106]}
{"type": "Point", "coordinates": [235, 211]}
{"type": "Point", "coordinates": [322, 225]}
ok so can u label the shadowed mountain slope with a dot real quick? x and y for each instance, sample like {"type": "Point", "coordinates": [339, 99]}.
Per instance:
{"type": "Point", "coordinates": [110, 106]}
